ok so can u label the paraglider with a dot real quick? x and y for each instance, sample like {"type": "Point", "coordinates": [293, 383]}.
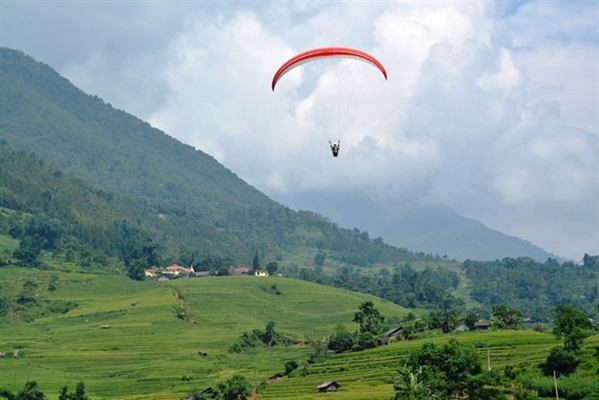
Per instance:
{"type": "Point", "coordinates": [335, 147]}
{"type": "Point", "coordinates": [319, 55]}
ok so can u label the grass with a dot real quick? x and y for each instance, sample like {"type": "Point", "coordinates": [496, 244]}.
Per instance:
{"type": "Point", "coordinates": [149, 353]}
{"type": "Point", "coordinates": [370, 374]}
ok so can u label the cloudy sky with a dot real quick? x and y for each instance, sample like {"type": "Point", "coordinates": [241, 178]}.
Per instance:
{"type": "Point", "coordinates": [491, 107]}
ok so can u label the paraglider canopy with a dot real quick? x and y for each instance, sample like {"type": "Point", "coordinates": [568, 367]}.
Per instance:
{"type": "Point", "coordinates": [334, 101]}
{"type": "Point", "coordinates": [325, 52]}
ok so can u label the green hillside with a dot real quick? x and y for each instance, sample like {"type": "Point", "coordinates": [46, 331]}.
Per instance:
{"type": "Point", "coordinates": [124, 339]}
{"type": "Point", "coordinates": [85, 187]}
{"type": "Point", "coordinates": [370, 374]}
{"type": "Point", "coordinates": [150, 353]}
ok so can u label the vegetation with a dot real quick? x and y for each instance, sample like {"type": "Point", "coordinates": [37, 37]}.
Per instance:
{"type": "Point", "coordinates": [533, 287]}
{"type": "Point", "coordinates": [195, 206]}
{"type": "Point", "coordinates": [83, 214]}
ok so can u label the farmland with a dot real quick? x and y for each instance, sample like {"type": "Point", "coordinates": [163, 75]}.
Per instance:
{"type": "Point", "coordinates": [153, 332]}
{"type": "Point", "coordinates": [150, 353]}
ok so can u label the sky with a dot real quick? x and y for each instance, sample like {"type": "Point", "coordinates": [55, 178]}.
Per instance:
{"type": "Point", "coordinates": [490, 108]}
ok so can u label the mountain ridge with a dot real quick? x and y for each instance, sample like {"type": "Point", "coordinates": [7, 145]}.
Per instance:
{"type": "Point", "coordinates": [43, 113]}
{"type": "Point", "coordinates": [186, 189]}
{"type": "Point", "coordinates": [432, 229]}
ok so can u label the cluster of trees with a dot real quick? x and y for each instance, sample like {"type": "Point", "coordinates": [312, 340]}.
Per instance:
{"type": "Point", "coordinates": [572, 326]}
{"type": "Point", "coordinates": [257, 337]}
{"type": "Point", "coordinates": [404, 286]}
{"type": "Point", "coordinates": [533, 287]}
{"type": "Point", "coordinates": [453, 370]}
{"type": "Point", "coordinates": [372, 325]}
{"type": "Point", "coordinates": [27, 306]}
{"type": "Point", "coordinates": [32, 392]}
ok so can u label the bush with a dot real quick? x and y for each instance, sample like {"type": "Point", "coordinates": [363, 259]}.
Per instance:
{"type": "Point", "coordinates": [366, 340]}
{"type": "Point", "coordinates": [290, 366]}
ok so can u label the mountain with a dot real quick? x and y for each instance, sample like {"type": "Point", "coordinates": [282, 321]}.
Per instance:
{"type": "Point", "coordinates": [182, 198]}
{"type": "Point", "coordinates": [201, 205]}
{"type": "Point", "coordinates": [431, 229]}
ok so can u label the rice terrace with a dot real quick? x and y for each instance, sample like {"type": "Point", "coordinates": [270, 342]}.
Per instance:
{"type": "Point", "coordinates": [129, 340]}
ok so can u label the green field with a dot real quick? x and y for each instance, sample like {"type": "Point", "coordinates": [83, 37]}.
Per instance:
{"type": "Point", "coordinates": [149, 353]}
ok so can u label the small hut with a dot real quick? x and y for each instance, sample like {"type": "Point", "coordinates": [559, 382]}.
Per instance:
{"type": "Point", "coordinates": [328, 387]}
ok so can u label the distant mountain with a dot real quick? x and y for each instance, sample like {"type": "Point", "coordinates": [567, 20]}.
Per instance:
{"type": "Point", "coordinates": [183, 198]}
{"type": "Point", "coordinates": [430, 229]}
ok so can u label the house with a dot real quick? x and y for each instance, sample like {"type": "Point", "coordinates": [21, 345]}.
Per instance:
{"type": "Point", "coordinates": [163, 278]}
{"type": "Point", "coordinates": [150, 272]}
{"type": "Point", "coordinates": [177, 270]}
{"type": "Point", "coordinates": [261, 272]}
{"type": "Point", "coordinates": [239, 271]}
{"type": "Point", "coordinates": [174, 269]}
{"type": "Point", "coordinates": [482, 325]}
{"type": "Point", "coordinates": [328, 387]}
{"type": "Point", "coordinates": [389, 335]}
{"type": "Point", "coordinates": [394, 332]}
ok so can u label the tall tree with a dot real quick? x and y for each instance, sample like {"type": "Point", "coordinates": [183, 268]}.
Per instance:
{"type": "Point", "coordinates": [369, 318]}
{"type": "Point", "coordinates": [570, 324]}
{"type": "Point", "coordinates": [256, 262]}
{"type": "Point", "coordinates": [505, 317]}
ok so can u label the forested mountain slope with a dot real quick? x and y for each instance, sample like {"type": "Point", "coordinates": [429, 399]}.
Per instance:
{"type": "Point", "coordinates": [189, 202]}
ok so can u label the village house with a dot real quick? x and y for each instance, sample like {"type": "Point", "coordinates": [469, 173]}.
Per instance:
{"type": "Point", "coordinates": [239, 271]}
{"type": "Point", "coordinates": [176, 270]}
{"type": "Point", "coordinates": [151, 272]}
{"type": "Point", "coordinates": [482, 325]}
{"type": "Point", "coordinates": [328, 387]}
{"type": "Point", "coordinates": [261, 272]}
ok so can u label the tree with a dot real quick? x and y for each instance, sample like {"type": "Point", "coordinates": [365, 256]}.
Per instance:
{"type": "Point", "coordinates": [505, 317]}
{"type": "Point", "coordinates": [409, 386]}
{"type": "Point", "coordinates": [236, 388]}
{"type": "Point", "coordinates": [488, 385]}
{"type": "Point", "coordinates": [570, 323]}
{"type": "Point", "coordinates": [29, 392]}
{"type": "Point", "coordinates": [445, 370]}
{"type": "Point", "coordinates": [27, 294]}
{"type": "Point", "coordinates": [446, 320]}
{"type": "Point", "coordinates": [472, 317]}
{"type": "Point", "coordinates": [369, 318]}
{"type": "Point", "coordinates": [256, 262]}
{"type": "Point", "coordinates": [366, 340]}
{"type": "Point", "coordinates": [341, 339]}
{"type": "Point", "coordinates": [272, 267]}
{"type": "Point", "coordinates": [29, 250]}
{"type": "Point", "coordinates": [80, 392]}
{"type": "Point", "coordinates": [290, 366]}
{"type": "Point", "coordinates": [561, 361]}
{"type": "Point", "coordinates": [269, 335]}
{"type": "Point", "coordinates": [136, 270]}
{"type": "Point", "coordinates": [78, 395]}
